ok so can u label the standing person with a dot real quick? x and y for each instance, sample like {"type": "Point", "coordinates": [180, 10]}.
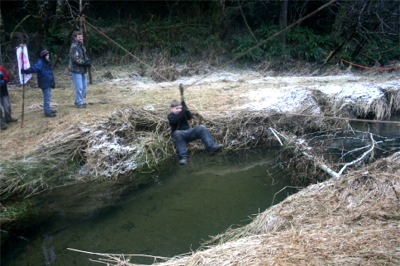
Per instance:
{"type": "Point", "coordinates": [78, 66]}
{"type": "Point", "coordinates": [5, 106]}
{"type": "Point", "coordinates": [182, 133]}
{"type": "Point", "coordinates": [45, 80]}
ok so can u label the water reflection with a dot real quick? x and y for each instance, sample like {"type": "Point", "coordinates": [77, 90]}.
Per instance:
{"type": "Point", "coordinates": [382, 129]}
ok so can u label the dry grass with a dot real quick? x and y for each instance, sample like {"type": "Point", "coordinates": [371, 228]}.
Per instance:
{"type": "Point", "coordinates": [104, 97]}
{"type": "Point", "coordinates": [113, 89]}
{"type": "Point", "coordinates": [125, 127]}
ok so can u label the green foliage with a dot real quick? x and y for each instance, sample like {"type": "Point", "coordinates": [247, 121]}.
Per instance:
{"type": "Point", "coordinates": [273, 48]}
{"type": "Point", "coordinates": [245, 49]}
{"type": "Point", "coordinates": [375, 52]}
{"type": "Point", "coordinates": [185, 29]}
{"type": "Point", "coordinates": [54, 41]}
{"type": "Point", "coordinates": [177, 48]}
{"type": "Point", "coordinates": [170, 37]}
{"type": "Point", "coordinates": [97, 44]}
{"type": "Point", "coordinates": [383, 50]}
{"type": "Point", "coordinates": [305, 44]}
{"type": "Point", "coordinates": [21, 211]}
{"type": "Point", "coordinates": [300, 44]}
{"type": "Point", "coordinates": [176, 38]}
{"type": "Point", "coordinates": [156, 154]}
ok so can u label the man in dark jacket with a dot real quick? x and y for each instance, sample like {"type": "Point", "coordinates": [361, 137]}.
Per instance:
{"type": "Point", "coordinates": [182, 133]}
{"type": "Point", "coordinates": [79, 63]}
{"type": "Point", "coordinates": [45, 80]}
{"type": "Point", "coordinates": [5, 106]}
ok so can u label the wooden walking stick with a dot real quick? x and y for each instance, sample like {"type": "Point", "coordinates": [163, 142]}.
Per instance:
{"type": "Point", "coordinates": [23, 85]}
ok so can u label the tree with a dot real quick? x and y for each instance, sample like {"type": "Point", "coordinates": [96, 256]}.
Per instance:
{"type": "Point", "coordinates": [367, 26]}
{"type": "Point", "coordinates": [283, 20]}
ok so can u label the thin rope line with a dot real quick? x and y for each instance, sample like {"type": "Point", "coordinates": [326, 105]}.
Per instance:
{"type": "Point", "coordinates": [121, 47]}
{"type": "Point", "coordinates": [251, 49]}
{"type": "Point", "coordinates": [266, 40]}
{"type": "Point", "coordinates": [314, 116]}
{"type": "Point", "coordinates": [347, 118]}
{"type": "Point", "coordinates": [230, 61]}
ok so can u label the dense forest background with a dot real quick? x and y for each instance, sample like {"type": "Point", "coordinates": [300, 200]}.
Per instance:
{"type": "Point", "coordinates": [219, 31]}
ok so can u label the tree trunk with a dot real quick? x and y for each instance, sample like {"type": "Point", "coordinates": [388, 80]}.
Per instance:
{"type": "Point", "coordinates": [283, 21]}
{"type": "Point", "coordinates": [43, 11]}
{"type": "Point", "coordinates": [283, 14]}
{"type": "Point", "coordinates": [59, 13]}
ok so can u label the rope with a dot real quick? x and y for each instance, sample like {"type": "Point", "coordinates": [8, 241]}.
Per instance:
{"type": "Point", "coordinates": [136, 58]}
{"type": "Point", "coordinates": [366, 67]}
{"type": "Point", "coordinates": [268, 39]}
{"type": "Point", "coordinates": [346, 118]}
{"type": "Point", "coordinates": [323, 117]}
{"type": "Point", "coordinates": [256, 46]}
{"type": "Point", "coordinates": [229, 62]}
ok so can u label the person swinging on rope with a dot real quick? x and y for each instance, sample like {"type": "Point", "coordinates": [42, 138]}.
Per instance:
{"type": "Point", "coordinates": [182, 133]}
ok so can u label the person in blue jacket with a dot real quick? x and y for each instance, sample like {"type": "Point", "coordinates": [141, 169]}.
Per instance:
{"type": "Point", "coordinates": [45, 80]}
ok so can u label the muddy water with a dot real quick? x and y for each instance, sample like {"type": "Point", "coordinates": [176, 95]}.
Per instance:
{"type": "Point", "coordinates": [171, 217]}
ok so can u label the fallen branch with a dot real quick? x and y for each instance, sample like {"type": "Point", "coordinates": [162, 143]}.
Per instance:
{"type": "Point", "coordinates": [361, 157]}
{"type": "Point", "coordinates": [116, 257]}
{"type": "Point", "coordinates": [304, 149]}
{"type": "Point", "coordinates": [322, 166]}
{"type": "Point", "coordinates": [276, 135]}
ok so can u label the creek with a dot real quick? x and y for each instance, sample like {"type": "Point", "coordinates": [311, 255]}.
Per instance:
{"type": "Point", "coordinates": [184, 207]}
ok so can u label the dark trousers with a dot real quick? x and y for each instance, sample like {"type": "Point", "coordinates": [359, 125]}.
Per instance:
{"type": "Point", "coordinates": [5, 110]}
{"type": "Point", "coordinates": [181, 137]}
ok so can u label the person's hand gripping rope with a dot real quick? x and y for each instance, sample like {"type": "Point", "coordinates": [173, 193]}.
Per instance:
{"type": "Point", "coordinates": [181, 89]}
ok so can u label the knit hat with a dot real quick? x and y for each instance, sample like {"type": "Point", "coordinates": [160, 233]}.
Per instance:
{"type": "Point", "coordinates": [175, 103]}
{"type": "Point", "coordinates": [43, 53]}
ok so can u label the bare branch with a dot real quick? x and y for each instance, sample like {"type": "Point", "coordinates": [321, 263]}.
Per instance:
{"type": "Point", "coordinates": [362, 156]}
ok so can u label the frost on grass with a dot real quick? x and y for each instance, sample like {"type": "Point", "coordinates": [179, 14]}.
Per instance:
{"type": "Point", "coordinates": [108, 155]}
{"type": "Point", "coordinates": [357, 99]}
{"type": "Point", "coordinates": [114, 148]}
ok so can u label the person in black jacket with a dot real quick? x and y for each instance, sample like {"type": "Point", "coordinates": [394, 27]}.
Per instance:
{"type": "Point", "coordinates": [45, 80]}
{"type": "Point", "coordinates": [182, 133]}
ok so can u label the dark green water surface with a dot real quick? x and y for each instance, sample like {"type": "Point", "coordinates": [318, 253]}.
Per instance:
{"type": "Point", "coordinates": [170, 217]}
